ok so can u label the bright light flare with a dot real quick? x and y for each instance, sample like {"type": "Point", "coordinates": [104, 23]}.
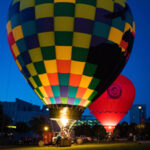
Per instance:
{"type": "Point", "coordinates": [139, 107]}
{"type": "Point", "coordinates": [109, 127]}
{"type": "Point", "coordinates": [46, 128]}
{"type": "Point", "coordinates": [64, 121]}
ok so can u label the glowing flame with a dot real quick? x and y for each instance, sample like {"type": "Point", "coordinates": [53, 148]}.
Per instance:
{"type": "Point", "coordinates": [64, 121]}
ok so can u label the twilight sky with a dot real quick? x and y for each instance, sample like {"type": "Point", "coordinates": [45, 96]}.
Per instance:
{"type": "Point", "coordinates": [13, 85]}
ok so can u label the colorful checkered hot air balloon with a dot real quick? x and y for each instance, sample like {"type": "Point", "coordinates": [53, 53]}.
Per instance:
{"type": "Point", "coordinates": [70, 51]}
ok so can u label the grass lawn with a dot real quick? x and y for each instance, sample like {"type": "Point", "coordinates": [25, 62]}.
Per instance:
{"type": "Point", "coordinates": [114, 146]}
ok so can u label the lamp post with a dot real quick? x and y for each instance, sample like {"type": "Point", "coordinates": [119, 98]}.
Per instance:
{"type": "Point", "coordinates": [140, 108]}
{"type": "Point", "coordinates": [46, 128]}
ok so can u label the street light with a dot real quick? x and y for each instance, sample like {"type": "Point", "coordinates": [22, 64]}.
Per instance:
{"type": "Point", "coordinates": [47, 109]}
{"type": "Point", "coordinates": [46, 128]}
{"type": "Point", "coordinates": [140, 107]}
{"type": "Point", "coordinates": [140, 115]}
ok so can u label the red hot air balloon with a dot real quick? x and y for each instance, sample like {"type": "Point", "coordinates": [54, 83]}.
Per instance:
{"type": "Point", "coordinates": [114, 103]}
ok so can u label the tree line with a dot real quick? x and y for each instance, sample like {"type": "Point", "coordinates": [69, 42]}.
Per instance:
{"type": "Point", "coordinates": [36, 125]}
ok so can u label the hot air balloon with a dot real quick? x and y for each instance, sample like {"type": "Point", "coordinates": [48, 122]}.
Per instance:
{"type": "Point", "coordinates": [114, 103]}
{"type": "Point", "coordinates": [70, 51]}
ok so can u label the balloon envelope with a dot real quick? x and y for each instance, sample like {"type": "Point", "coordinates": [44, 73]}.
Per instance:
{"type": "Point", "coordinates": [70, 51]}
{"type": "Point", "coordinates": [114, 103]}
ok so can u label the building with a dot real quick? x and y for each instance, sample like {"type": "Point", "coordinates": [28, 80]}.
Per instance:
{"type": "Point", "coordinates": [138, 114]}
{"type": "Point", "coordinates": [88, 120]}
{"type": "Point", "coordinates": [21, 111]}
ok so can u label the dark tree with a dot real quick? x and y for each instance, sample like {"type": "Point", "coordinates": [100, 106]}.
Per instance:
{"type": "Point", "coordinates": [4, 120]}
{"type": "Point", "coordinates": [1, 110]}
{"type": "Point", "coordinates": [147, 130]}
{"type": "Point", "coordinates": [84, 129]}
{"type": "Point", "coordinates": [22, 127]}
{"type": "Point", "coordinates": [116, 132]}
{"type": "Point", "coordinates": [132, 128]}
{"type": "Point", "coordinates": [96, 131]}
{"type": "Point", "coordinates": [141, 131]}
{"type": "Point", "coordinates": [99, 132]}
{"type": "Point", "coordinates": [124, 130]}
{"type": "Point", "coordinates": [37, 125]}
